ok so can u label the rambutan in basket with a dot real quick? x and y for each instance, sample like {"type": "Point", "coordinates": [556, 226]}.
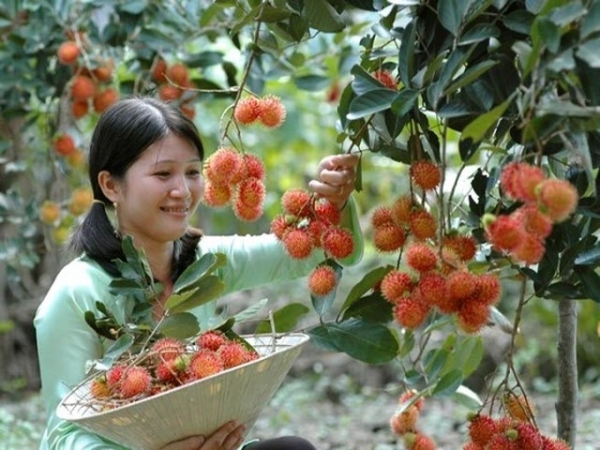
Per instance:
{"type": "Point", "coordinates": [197, 408]}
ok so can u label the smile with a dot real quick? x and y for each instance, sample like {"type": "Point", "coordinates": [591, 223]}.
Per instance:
{"type": "Point", "coordinates": [181, 210]}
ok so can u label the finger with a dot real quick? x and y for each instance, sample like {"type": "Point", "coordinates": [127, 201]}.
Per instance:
{"type": "Point", "coordinates": [347, 161]}
{"type": "Point", "coordinates": [217, 439]}
{"type": "Point", "coordinates": [235, 438]}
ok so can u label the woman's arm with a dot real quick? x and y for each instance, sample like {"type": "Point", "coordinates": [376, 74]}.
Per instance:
{"type": "Point", "coordinates": [65, 343]}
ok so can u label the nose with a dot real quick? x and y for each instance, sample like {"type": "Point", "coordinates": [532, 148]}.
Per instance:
{"type": "Point", "coordinates": [180, 188]}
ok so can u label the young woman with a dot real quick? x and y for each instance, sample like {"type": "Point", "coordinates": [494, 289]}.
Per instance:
{"type": "Point", "coordinates": [145, 165]}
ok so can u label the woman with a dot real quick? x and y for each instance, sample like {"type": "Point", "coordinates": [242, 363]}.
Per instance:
{"type": "Point", "coordinates": [145, 161]}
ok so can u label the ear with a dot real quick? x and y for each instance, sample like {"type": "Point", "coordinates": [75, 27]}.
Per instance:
{"type": "Point", "coordinates": [110, 188]}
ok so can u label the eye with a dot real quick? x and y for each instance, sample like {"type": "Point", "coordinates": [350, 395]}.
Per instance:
{"type": "Point", "coordinates": [195, 172]}
{"type": "Point", "coordinates": [162, 174]}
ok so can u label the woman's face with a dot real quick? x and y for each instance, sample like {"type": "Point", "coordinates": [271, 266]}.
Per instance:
{"type": "Point", "coordinates": [160, 192]}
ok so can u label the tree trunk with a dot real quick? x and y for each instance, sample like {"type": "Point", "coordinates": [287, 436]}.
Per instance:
{"type": "Point", "coordinates": [566, 405]}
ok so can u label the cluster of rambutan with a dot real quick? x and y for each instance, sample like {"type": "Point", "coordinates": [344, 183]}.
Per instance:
{"type": "Point", "coordinates": [236, 179]}
{"type": "Point", "coordinates": [267, 110]}
{"type": "Point", "coordinates": [435, 275]}
{"type": "Point", "coordinates": [175, 85]}
{"type": "Point", "coordinates": [403, 422]}
{"type": "Point", "coordinates": [545, 201]}
{"type": "Point", "coordinates": [508, 433]}
{"type": "Point", "coordinates": [307, 223]}
{"type": "Point", "coordinates": [168, 363]}
{"type": "Point", "coordinates": [90, 86]}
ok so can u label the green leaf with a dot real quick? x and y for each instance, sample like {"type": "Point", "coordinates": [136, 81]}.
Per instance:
{"type": "Point", "coordinates": [312, 82]}
{"type": "Point", "coordinates": [404, 102]}
{"type": "Point", "coordinates": [451, 14]}
{"type": "Point", "coordinates": [364, 341]}
{"type": "Point", "coordinates": [471, 74]}
{"type": "Point", "coordinates": [501, 320]}
{"type": "Point", "coordinates": [203, 266]}
{"type": "Point", "coordinates": [588, 52]}
{"type": "Point", "coordinates": [466, 397]}
{"type": "Point", "coordinates": [475, 131]}
{"type": "Point", "coordinates": [320, 338]}
{"type": "Point", "coordinates": [114, 352]}
{"type": "Point", "coordinates": [366, 283]}
{"type": "Point", "coordinates": [372, 308]}
{"type": "Point", "coordinates": [251, 311]}
{"type": "Point", "coordinates": [372, 102]}
{"type": "Point", "coordinates": [590, 24]}
{"type": "Point", "coordinates": [322, 16]}
{"type": "Point", "coordinates": [448, 384]}
{"type": "Point", "coordinates": [590, 282]}
{"type": "Point", "coordinates": [179, 326]}
{"type": "Point", "coordinates": [589, 257]}
{"type": "Point", "coordinates": [479, 32]}
{"type": "Point", "coordinates": [285, 319]}
{"type": "Point", "coordinates": [207, 289]}
{"type": "Point", "coordinates": [406, 57]}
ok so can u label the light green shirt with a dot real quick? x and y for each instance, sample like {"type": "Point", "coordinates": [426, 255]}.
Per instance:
{"type": "Point", "coordinates": [65, 341]}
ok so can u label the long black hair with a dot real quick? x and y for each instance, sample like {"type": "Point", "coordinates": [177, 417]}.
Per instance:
{"type": "Point", "coordinates": [123, 132]}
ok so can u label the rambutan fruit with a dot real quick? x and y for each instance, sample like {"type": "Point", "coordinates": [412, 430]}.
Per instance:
{"type": "Point", "coordinates": [216, 195]}
{"type": "Point", "coordinates": [83, 88]}
{"type": "Point", "coordinates": [465, 247]}
{"type": "Point", "coordinates": [178, 74]}
{"type": "Point", "coordinates": [135, 381]}
{"type": "Point", "coordinates": [529, 437]}
{"type": "Point", "coordinates": [99, 387]}
{"type": "Point", "coordinates": [103, 99]}
{"type": "Point", "coordinates": [519, 180]}
{"type": "Point", "coordinates": [68, 52]}
{"type": "Point", "coordinates": [382, 215]}
{"type": "Point", "coordinates": [223, 165]}
{"type": "Point", "coordinates": [247, 213]}
{"type": "Point", "coordinates": [386, 78]}
{"type": "Point", "coordinates": [172, 370]}
{"type": "Point", "coordinates": [422, 224]}
{"type": "Point", "coordinates": [251, 192]}
{"type": "Point", "coordinates": [296, 202]}
{"type": "Point", "coordinates": [425, 174]}
{"type": "Point", "coordinates": [395, 284]}
{"type": "Point", "coordinates": [388, 238]}
{"type": "Point", "coordinates": [533, 220]}
{"type": "Point", "coordinates": [401, 209]}
{"type": "Point", "coordinates": [557, 198]}
{"type": "Point", "coordinates": [247, 110]}
{"type": "Point", "coordinates": [114, 375]}
{"type": "Point", "coordinates": [338, 242]}
{"type": "Point", "coordinates": [80, 108]}
{"type": "Point", "coordinates": [49, 212]}
{"type": "Point", "coordinates": [297, 243]}
{"type": "Point", "coordinates": [461, 284]}
{"type": "Point", "coordinates": [254, 167]}
{"type": "Point", "coordinates": [481, 429]}
{"type": "Point", "coordinates": [159, 71]}
{"type": "Point", "coordinates": [271, 111]}
{"type": "Point", "coordinates": [205, 363]}
{"type": "Point", "coordinates": [418, 441]}
{"type": "Point", "coordinates": [80, 200]}
{"type": "Point", "coordinates": [211, 340]}
{"type": "Point", "coordinates": [502, 441]}
{"type": "Point", "coordinates": [433, 289]}
{"type": "Point", "coordinates": [234, 354]}
{"type": "Point", "coordinates": [64, 144]}
{"type": "Point", "coordinates": [530, 250]}
{"type": "Point", "coordinates": [503, 232]}
{"type": "Point", "coordinates": [408, 396]}
{"type": "Point", "coordinates": [410, 313]}
{"type": "Point", "coordinates": [472, 446]}
{"type": "Point", "coordinates": [279, 225]}
{"type": "Point", "coordinates": [168, 92]}
{"type": "Point", "coordinates": [166, 348]}
{"type": "Point", "coordinates": [472, 316]}
{"type": "Point", "coordinates": [316, 228]}
{"type": "Point", "coordinates": [404, 421]}
{"type": "Point", "coordinates": [489, 288]}
{"type": "Point", "coordinates": [322, 280]}
{"type": "Point", "coordinates": [327, 212]}
{"type": "Point", "coordinates": [421, 257]}
{"type": "Point", "coordinates": [549, 443]}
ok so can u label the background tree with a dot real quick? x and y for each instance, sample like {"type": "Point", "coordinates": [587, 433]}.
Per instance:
{"type": "Point", "coordinates": [465, 86]}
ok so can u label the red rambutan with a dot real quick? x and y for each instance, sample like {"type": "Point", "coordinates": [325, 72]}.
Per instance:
{"type": "Point", "coordinates": [425, 174]}
{"type": "Point", "coordinates": [322, 280]}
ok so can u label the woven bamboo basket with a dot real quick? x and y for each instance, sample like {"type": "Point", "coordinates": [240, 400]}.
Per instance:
{"type": "Point", "coordinates": [197, 408]}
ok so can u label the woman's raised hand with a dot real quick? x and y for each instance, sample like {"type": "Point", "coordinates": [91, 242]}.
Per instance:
{"type": "Point", "coordinates": [335, 178]}
{"type": "Point", "coordinates": [229, 437]}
